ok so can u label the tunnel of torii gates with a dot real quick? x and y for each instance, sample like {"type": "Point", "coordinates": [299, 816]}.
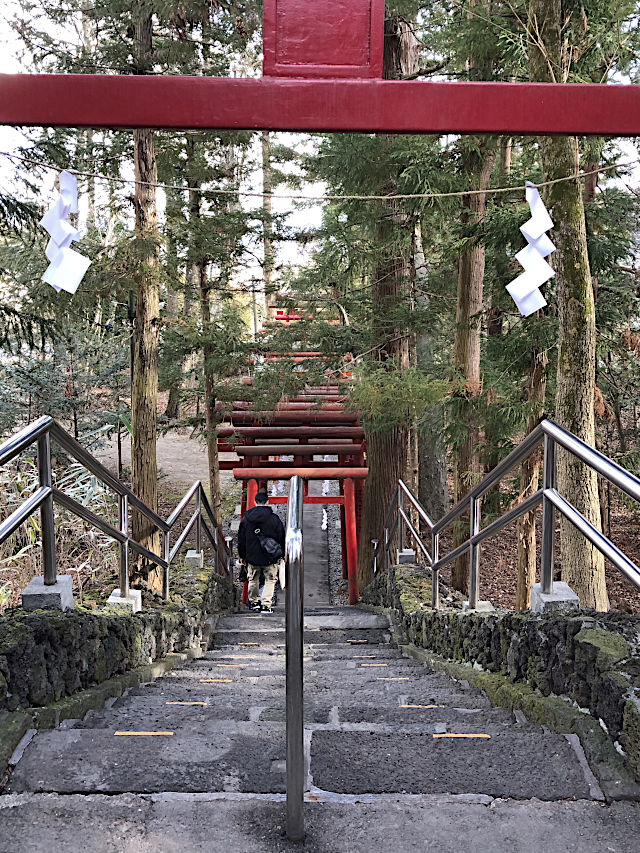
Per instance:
{"type": "Point", "coordinates": [314, 423]}
{"type": "Point", "coordinates": [322, 71]}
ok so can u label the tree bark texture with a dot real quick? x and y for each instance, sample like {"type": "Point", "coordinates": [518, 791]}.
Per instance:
{"type": "Point", "coordinates": [529, 480]}
{"type": "Point", "coordinates": [211, 415]}
{"type": "Point", "coordinates": [467, 463]}
{"type": "Point", "coordinates": [270, 297]}
{"type": "Point", "coordinates": [200, 273]}
{"type": "Point", "coordinates": [433, 492]}
{"type": "Point", "coordinates": [582, 564]}
{"type": "Point", "coordinates": [144, 385]}
{"type": "Point", "coordinates": [389, 455]}
{"type": "Point", "coordinates": [388, 452]}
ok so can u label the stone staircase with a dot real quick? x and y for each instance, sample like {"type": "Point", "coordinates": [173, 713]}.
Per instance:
{"type": "Point", "coordinates": [399, 758]}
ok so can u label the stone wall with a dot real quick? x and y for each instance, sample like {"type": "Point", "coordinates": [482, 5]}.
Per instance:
{"type": "Point", "coordinates": [47, 655]}
{"type": "Point", "coordinates": [591, 658]}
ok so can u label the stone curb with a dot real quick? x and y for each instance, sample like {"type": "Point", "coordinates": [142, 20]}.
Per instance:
{"type": "Point", "coordinates": [615, 778]}
{"type": "Point", "coordinates": [15, 724]}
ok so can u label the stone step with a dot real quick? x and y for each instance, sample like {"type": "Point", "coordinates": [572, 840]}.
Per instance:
{"type": "Point", "coordinates": [514, 765]}
{"type": "Point", "coordinates": [334, 618]}
{"type": "Point", "coordinates": [245, 757]}
{"type": "Point", "coordinates": [349, 651]}
{"type": "Point", "coordinates": [161, 707]}
{"type": "Point", "coordinates": [85, 761]}
{"type": "Point", "coordinates": [274, 638]}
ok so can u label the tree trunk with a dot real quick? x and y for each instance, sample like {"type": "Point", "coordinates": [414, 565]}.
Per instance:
{"type": "Point", "coordinates": [468, 467]}
{"type": "Point", "coordinates": [172, 410]}
{"type": "Point", "coordinates": [200, 275]}
{"type": "Point", "coordinates": [270, 297]}
{"type": "Point", "coordinates": [529, 477]}
{"type": "Point", "coordinates": [582, 564]}
{"type": "Point", "coordinates": [388, 454]}
{"type": "Point", "coordinates": [144, 386]}
{"type": "Point", "coordinates": [433, 491]}
{"type": "Point", "coordinates": [210, 413]}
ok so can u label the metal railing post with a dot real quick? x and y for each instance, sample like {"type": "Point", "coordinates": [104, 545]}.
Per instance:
{"type": "Point", "coordinates": [385, 554]}
{"type": "Point", "coordinates": [123, 518]}
{"type": "Point", "coordinates": [548, 516]}
{"type": "Point", "coordinates": [46, 512]}
{"type": "Point", "coordinates": [166, 540]}
{"type": "Point", "coordinates": [435, 572]}
{"type": "Point", "coordinates": [374, 557]}
{"type": "Point", "coordinates": [474, 528]}
{"type": "Point", "coordinates": [199, 522]}
{"type": "Point", "coordinates": [294, 670]}
{"type": "Point", "coordinates": [400, 520]}
{"type": "Point", "coordinates": [228, 540]}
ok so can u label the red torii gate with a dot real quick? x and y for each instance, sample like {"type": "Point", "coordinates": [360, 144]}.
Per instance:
{"type": "Point", "coordinates": [322, 70]}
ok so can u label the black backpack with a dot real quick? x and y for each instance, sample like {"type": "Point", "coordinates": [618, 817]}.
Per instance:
{"type": "Point", "coordinates": [270, 547]}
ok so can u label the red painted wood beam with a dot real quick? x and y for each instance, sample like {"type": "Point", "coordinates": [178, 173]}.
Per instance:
{"type": "Point", "coordinates": [409, 106]}
{"type": "Point", "coordinates": [232, 464]}
{"type": "Point", "coordinates": [309, 499]}
{"type": "Point", "coordinates": [291, 432]}
{"type": "Point", "coordinates": [292, 406]}
{"type": "Point", "coordinates": [306, 473]}
{"type": "Point", "coordinates": [294, 418]}
{"type": "Point", "coordinates": [297, 449]}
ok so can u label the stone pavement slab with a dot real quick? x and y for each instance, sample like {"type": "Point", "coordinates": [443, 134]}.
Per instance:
{"type": "Point", "coordinates": [168, 823]}
{"type": "Point", "coordinates": [97, 760]}
{"type": "Point", "coordinates": [512, 765]}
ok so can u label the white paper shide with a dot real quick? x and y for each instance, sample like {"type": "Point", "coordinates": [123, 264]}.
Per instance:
{"type": "Point", "coordinates": [66, 266]}
{"type": "Point", "coordinates": [525, 289]}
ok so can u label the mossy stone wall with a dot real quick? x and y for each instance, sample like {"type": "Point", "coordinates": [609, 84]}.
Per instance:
{"type": "Point", "coordinates": [45, 655]}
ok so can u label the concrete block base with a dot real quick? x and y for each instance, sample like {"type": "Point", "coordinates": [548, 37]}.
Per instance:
{"type": "Point", "coordinates": [133, 602]}
{"type": "Point", "coordinates": [406, 555]}
{"type": "Point", "coordinates": [58, 596]}
{"type": "Point", "coordinates": [562, 600]}
{"type": "Point", "coordinates": [194, 559]}
{"type": "Point", "coordinates": [481, 607]}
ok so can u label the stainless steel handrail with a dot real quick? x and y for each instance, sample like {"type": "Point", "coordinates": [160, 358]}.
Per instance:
{"type": "Point", "coordinates": [551, 435]}
{"type": "Point", "coordinates": [294, 584]}
{"type": "Point", "coordinates": [46, 429]}
{"type": "Point", "coordinates": [402, 521]}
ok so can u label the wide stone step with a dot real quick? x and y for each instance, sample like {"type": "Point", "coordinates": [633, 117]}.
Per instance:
{"type": "Point", "coordinates": [335, 618]}
{"type": "Point", "coordinates": [520, 766]}
{"type": "Point", "coordinates": [97, 760]}
{"type": "Point", "coordinates": [274, 638]}
{"type": "Point", "coordinates": [249, 757]}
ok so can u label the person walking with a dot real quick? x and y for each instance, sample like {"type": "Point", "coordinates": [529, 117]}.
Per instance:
{"type": "Point", "coordinates": [260, 523]}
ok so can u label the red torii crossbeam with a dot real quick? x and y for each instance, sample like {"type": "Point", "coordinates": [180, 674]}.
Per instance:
{"type": "Point", "coordinates": [322, 70]}
{"type": "Point", "coordinates": [270, 103]}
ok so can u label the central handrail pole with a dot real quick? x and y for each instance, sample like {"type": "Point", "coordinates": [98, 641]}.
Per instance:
{"type": "Point", "coordinates": [294, 640]}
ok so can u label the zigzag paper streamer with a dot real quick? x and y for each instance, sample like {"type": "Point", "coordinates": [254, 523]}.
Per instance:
{"type": "Point", "coordinates": [66, 266]}
{"type": "Point", "coordinates": [524, 289]}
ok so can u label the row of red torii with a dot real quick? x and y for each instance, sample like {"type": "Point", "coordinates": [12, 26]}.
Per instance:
{"type": "Point", "coordinates": [313, 423]}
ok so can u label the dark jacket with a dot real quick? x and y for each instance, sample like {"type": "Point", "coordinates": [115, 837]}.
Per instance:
{"type": "Point", "coordinates": [249, 548]}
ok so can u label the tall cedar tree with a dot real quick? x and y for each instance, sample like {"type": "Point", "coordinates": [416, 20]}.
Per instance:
{"type": "Point", "coordinates": [582, 564]}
